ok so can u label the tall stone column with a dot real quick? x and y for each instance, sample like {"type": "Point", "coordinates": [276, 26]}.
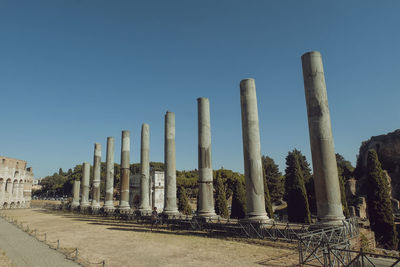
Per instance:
{"type": "Point", "coordinates": [252, 153]}
{"type": "Point", "coordinates": [75, 194]}
{"type": "Point", "coordinates": [96, 176]}
{"type": "Point", "coordinates": [145, 169]}
{"type": "Point", "coordinates": [109, 199]}
{"type": "Point", "coordinates": [170, 207]}
{"type": "Point", "coordinates": [327, 190]}
{"type": "Point", "coordinates": [206, 195]}
{"type": "Point", "coordinates": [85, 185]}
{"type": "Point", "coordinates": [125, 172]}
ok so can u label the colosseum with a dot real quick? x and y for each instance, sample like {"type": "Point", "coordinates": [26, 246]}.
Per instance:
{"type": "Point", "coordinates": [15, 183]}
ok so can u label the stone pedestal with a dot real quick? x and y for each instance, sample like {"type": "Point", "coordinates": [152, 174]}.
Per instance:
{"type": "Point", "coordinates": [125, 171]}
{"type": "Point", "coordinates": [253, 172]}
{"type": "Point", "coordinates": [85, 186]}
{"type": "Point", "coordinates": [75, 194]}
{"type": "Point", "coordinates": [170, 207]}
{"type": "Point", "coordinates": [206, 192]}
{"type": "Point", "coordinates": [109, 198]}
{"type": "Point", "coordinates": [96, 176]}
{"type": "Point", "coordinates": [327, 190]}
{"type": "Point", "coordinates": [144, 206]}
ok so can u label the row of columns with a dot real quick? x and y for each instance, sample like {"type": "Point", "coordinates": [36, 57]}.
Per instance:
{"type": "Point", "coordinates": [329, 207]}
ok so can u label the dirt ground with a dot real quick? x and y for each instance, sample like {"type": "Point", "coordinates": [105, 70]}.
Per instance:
{"type": "Point", "coordinates": [4, 260]}
{"type": "Point", "coordinates": [122, 243]}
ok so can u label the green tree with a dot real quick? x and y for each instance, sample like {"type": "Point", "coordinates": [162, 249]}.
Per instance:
{"type": "Point", "coordinates": [308, 181]}
{"type": "Point", "coordinates": [345, 172]}
{"type": "Point", "coordinates": [379, 204]}
{"type": "Point", "coordinates": [183, 201]}
{"type": "Point", "coordinates": [221, 205]}
{"type": "Point", "coordinates": [275, 179]}
{"type": "Point", "coordinates": [298, 209]}
{"type": "Point", "coordinates": [267, 199]}
{"type": "Point", "coordinates": [239, 200]}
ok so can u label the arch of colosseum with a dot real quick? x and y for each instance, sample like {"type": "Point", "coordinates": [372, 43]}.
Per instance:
{"type": "Point", "coordinates": [15, 183]}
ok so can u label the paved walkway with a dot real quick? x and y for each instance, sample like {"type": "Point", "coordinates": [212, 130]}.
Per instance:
{"type": "Point", "coordinates": [24, 250]}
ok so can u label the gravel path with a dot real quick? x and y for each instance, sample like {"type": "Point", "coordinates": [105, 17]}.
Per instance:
{"type": "Point", "coordinates": [24, 250]}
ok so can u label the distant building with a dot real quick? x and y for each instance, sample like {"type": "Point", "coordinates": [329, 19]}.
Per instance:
{"type": "Point", "coordinates": [156, 190]}
{"type": "Point", "coordinates": [15, 183]}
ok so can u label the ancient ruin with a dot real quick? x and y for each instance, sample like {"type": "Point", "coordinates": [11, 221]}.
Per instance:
{"type": "Point", "coordinates": [252, 153]}
{"type": "Point", "coordinates": [170, 205]}
{"type": "Point", "coordinates": [206, 191]}
{"type": "Point", "coordinates": [125, 171]}
{"type": "Point", "coordinates": [144, 206]}
{"type": "Point", "coordinates": [109, 197]}
{"type": "Point", "coordinates": [327, 191]}
{"type": "Point", "coordinates": [15, 183]}
{"type": "Point", "coordinates": [84, 203]}
{"type": "Point", "coordinates": [96, 176]}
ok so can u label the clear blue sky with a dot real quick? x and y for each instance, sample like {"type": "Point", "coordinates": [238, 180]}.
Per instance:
{"type": "Point", "coordinates": [74, 72]}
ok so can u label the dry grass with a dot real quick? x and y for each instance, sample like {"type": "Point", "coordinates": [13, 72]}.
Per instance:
{"type": "Point", "coordinates": [122, 243]}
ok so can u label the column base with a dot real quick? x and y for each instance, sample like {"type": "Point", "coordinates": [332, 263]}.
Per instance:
{"type": "Point", "coordinates": [256, 218]}
{"type": "Point", "coordinates": [144, 212]}
{"type": "Point", "coordinates": [171, 214]}
{"type": "Point", "coordinates": [327, 223]}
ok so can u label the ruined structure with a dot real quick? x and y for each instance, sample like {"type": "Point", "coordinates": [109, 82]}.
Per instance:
{"type": "Point", "coordinates": [96, 176]}
{"type": "Point", "coordinates": [327, 190]}
{"type": "Point", "coordinates": [170, 205]}
{"type": "Point", "coordinates": [125, 171]}
{"type": "Point", "coordinates": [206, 192]}
{"type": "Point", "coordinates": [144, 206]}
{"type": "Point", "coordinates": [15, 183]}
{"type": "Point", "coordinates": [255, 201]}
{"type": "Point", "coordinates": [85, 186]}
{"type": "Point", "coordinates": [75, 194]}
{"type": "Point", "coordinates": [109, 199]}
{"type": "Point", "coordinates": [157, 193]}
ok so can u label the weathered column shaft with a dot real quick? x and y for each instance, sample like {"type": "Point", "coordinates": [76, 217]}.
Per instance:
{"type": "Point", "coordinates": [327, 190]}
{"type": "Point", "coordinates": [145, 168]}
{"type": "Point", "coordinates": [206, 195]}
{"type": "Point", "coordinates": [96, 176]}
{"type": "Point", "coordinates": [85, 185]}
{"type": "Point", "coordinates": [252, 153]}
{"type": "Point", "coordinates": [75, 194]}
{"type": "Point", "coordinates": [170, 207]}
{"type": "Point", "coordinates": [125, 171]}
{"type": "Point", "coordinates": [109, 199]}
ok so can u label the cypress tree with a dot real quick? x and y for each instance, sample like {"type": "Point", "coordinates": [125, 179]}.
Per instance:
{"type": "Point", "coordinates": [298, 209]}
{"type": "Point", "coordinates": [221, 205]}
{"type": "Point", "coordinates": [379, 204]}
{"type": "Point", "coordinates": [267, 199]}
{"type": "Point", "coordinates": [308, 181]}
{"type": "Point", "coordinates": [274, 179]}
{"type": "Point", "coordinates": [183, 201]}
{"type": "Point", "coordinates": [239, 200]}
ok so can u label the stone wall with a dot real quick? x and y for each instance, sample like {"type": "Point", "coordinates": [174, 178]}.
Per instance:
{"type": "Point", "coordinates": [15, 183]}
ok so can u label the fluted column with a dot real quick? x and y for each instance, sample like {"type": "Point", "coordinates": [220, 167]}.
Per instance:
{"type": "Point", "coordinates": [206, 195]}
{"type": "Point", "coordinates": [109, 199]}
{"type": "Point", "coordinates": [170, 207]}
{"type": "Point", "coordinates": [327, 190]}
{"type": "Point", "coordinates": [85, 185]}
{"type": "Point", "coordinates": [96, 176]}
{"type": "Point", "coordinates": [125, 171]}
{"type": "Point", "coordinates": [252, 153]}
{"type": "Point", "coordinates": [75, 194]}
{"type": "Point", "coordinates": [145, 169]}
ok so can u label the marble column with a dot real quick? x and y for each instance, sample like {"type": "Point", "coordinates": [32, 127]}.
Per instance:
{"type": "Point", "coordinates": [85, 185]}
{"type": "Point", "coordinates": [170, 207]}
{"type": "Point", "coordinates": [75, 194]}
{"type": "Point", "coordinates": [327, 190]}
{"type": "Point", "coordinates": [252, 153]}
{"type": "Point", "coordinates": [109, 199]}
{"type": "Point", "coordinates": [206, 195]}
{"type": "Point", "coordinates": [96, 176]}
{"type": "Point", "coordinates": [125, 171]}
{"type": "Point", "coordinates": [144, 206]}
